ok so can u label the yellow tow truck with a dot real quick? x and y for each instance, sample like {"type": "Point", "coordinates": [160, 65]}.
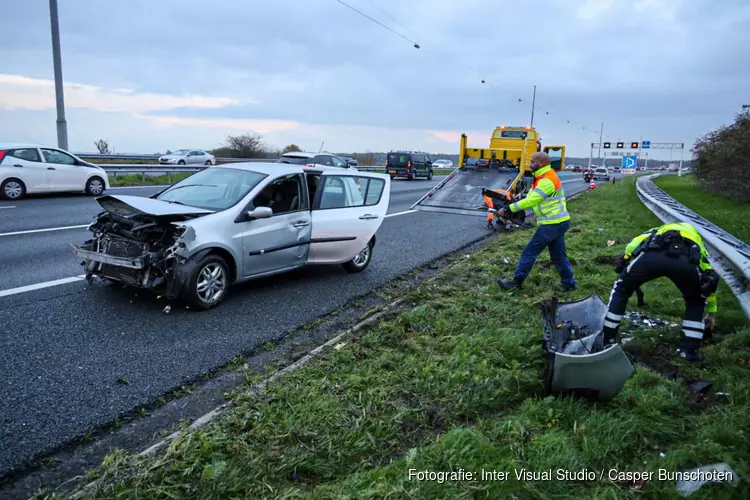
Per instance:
{"type": "Point", "coordinates": [499, 170]}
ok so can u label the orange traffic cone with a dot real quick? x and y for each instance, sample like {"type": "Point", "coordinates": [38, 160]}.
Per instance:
{"type": "Point", "coordinates": [592, 185]}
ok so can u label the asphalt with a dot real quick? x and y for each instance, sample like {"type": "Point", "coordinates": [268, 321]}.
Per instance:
{"type": "Point", "coordinates": [66, 347]}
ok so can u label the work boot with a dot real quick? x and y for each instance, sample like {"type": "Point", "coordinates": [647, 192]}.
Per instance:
{"type": "Point", "coordinates": [609, 336]}
{"type": "Point", "coordinates": [510, 284]}
{"type": "Point", "coordinates": [691, 355]}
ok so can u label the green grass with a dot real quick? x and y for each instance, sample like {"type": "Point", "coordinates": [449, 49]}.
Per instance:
{"type": "Point", "coordinates": [455, 382]}
{"type": "Point", "coordinates": [729, 215]}
{"type": "Point", "coordinates": [138, 180]}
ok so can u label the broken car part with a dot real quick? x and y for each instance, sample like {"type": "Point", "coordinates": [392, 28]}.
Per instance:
{"type": "Point", "coordinates": [577, 361]}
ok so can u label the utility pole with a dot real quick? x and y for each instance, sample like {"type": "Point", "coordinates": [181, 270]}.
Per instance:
{"type": "Point", "coordinates": [62, 125]}
{"type": "Point", "coordinates": [601, 131]}
{"type": "Point", "coordinates": [533, 103]}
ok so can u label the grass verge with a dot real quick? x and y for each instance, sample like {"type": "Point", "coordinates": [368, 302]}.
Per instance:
{"type": "Point", "coordinates": [148, 180]}
{"type": "Point", "coordinates": [729, 215]}
{"type": "Point", "coordinates": [454, 381]}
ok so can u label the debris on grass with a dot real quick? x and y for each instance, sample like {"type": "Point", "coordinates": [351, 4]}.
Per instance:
{"type": "Point", "coordinates": [700, 386]}
{"type": "Point", "coordinates": [715, 473]}
{"type": "Point", "coordinates": [167, 309]}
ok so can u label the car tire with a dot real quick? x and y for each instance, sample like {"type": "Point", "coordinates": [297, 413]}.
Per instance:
{"type": "Point", "coordinates": [361, 261]}
{"type": "Point", "coordinates": [209, 265]}
{"type": "Point", "coordinates": [429, 175]}
{"type": "Point", "coordinates": [181, 162]}
{"type": "Point", "coordinates": [411, 175]}
{"type": "Point", "coordinates": [208, 162]}
{"type": "Point", "coordinates": [95, 186]}
{"type": "Point", "coordinates": [12, 189]}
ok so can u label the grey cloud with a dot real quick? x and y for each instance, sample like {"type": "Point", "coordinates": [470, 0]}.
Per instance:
{"type": "Point", "coordinates": [318, 62]}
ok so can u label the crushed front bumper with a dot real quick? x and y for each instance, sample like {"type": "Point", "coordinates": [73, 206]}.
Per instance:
{"type": "Point", "coordinates": [577, 361]}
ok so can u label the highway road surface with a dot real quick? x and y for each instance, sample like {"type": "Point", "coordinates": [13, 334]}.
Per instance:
{"type": "Point", "coordinates": [65, 343]}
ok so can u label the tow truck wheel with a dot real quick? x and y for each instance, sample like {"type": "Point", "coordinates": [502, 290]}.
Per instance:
{"type": "Point", "coordinates": [208, 284]}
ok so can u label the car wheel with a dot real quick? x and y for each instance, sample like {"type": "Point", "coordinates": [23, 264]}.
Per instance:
{"type": "Point", "coordinates": [429, 175]}
{"type": "Point", "coordinates": [208, 283]}
{"type": "Point", "coordinates": [181, 162]}
{"type": "Point", "coordinates": [208, 162]}
{"type": "Point", "coordinates": [360, 261]}
{"type": "Point", "coordinates": [411, 175]}
{"type": "Point", "coordinates": [95, 186]}
{"type": "Point", "coordinates": [13, 189]}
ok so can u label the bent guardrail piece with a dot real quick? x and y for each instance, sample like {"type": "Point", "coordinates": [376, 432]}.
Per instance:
{"type": "Point", "coordinates": [577, 361]}
{"type": "Point", "coordinates": [727, 254]}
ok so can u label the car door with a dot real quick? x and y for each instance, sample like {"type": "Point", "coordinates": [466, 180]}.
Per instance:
{"type": "Point", "coordinates": [347, 212]}
{"type": "Point", "coordinates": [27, 165]}
{"type": "Point", "coordinates": [282, 241]}
{"type": "Point", "coordinates": [63, 173]}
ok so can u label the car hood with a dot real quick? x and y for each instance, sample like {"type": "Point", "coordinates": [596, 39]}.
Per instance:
{"type": "Point", "coordinates": [126, 204]}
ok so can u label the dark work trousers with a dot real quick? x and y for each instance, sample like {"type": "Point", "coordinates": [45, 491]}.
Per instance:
{"type": "Point", "coordinates": [552, 237]}
{"type": "Point", "coordinates": [649, 266]}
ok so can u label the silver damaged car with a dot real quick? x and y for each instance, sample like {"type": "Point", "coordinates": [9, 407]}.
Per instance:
{"type": "Point", "coordinates": [232, 223]}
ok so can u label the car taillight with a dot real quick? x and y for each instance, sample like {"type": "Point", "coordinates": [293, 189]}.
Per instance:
{"type": "Point", "coordinates": [409, 164]}
{"type": "Point", "coordinates": [386, 163]}
{"type": "Point", "coordinates": [308, 165]}
{"type": "Point", "coordinates": [3, 153]}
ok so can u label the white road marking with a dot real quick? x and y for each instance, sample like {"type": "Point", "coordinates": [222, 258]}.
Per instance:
{"type": "Point", "coordinates": [402, 213]}
{"type": "Point", "coordinates": [31, 231]}
{"type": "Point", "coordinates": [7, 206]}
{"type": "Point", "coordinates": [37, 286]}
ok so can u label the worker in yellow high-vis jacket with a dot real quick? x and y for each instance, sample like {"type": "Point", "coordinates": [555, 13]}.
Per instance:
{"type": "Point", "coordinates": [675, 251]}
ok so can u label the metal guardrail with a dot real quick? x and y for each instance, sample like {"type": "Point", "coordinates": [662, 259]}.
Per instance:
{"type": "Point", "coordinates": [728, 255]}
{"type": "Point", "coordinates": [97, 156]}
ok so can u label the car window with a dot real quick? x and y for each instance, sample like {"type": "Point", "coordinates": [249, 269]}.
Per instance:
{"type": "Point", "coordinates": [397, 158]}
{"type": "Point", "coordinates": [324, 160]}
{"type": "Point", "coordinates": [350, 191]}
{"type": "Point", "coordinates": [31, 154]}
{"type": "Point", "coordinates": [337, 162]}
{"type": "Point", "coordinates": [213, 188]}
{"type": "Point", "coordinates": [55, 156]}
{"type": "Point", "coordinates": [294, 160]}
{"type": "Point", "coordinates": [283, 195]}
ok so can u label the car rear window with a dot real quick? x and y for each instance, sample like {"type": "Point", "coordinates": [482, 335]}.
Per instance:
{"type": "Point", "coordinates": [294, 160]}
{"type": "Point", "coordinates": [397, 158]}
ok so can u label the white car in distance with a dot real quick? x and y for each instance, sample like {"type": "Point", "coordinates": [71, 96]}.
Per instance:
{"type": "Point", "coordinates": [314, 160]}
{"type": "Point", "coordinates": [442, 164]}
{"type": "Point", "coordinates": [35, 169]}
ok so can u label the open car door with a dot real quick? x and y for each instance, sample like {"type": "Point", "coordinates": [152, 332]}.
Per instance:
{"type": "Point", "coordinates": [556, 157]}
{"type": "Point", "coordinates": [347, 211]}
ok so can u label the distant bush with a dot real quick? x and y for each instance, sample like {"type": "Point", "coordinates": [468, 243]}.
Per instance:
{"type": "Point", "coordinates": [721, 160]}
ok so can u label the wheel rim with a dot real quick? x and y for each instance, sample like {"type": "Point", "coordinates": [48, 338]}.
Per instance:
{"type": "Point", "coordinates": [96, 186]}
{"type": "Point", "coordinates": [362, 257]}
{"type": "Point", "coordinates": [211, 283]}
{"type": "Point", "coordinates": [208, 162]}
{"type": "Point", "coordinates": [13, 189]}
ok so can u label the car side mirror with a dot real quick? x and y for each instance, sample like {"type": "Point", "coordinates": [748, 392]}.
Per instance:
{"type": "Point", "coordinates": [259, 213]}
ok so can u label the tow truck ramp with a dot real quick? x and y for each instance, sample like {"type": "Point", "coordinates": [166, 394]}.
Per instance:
{"type": "Point", "coordinates": [461, 191]}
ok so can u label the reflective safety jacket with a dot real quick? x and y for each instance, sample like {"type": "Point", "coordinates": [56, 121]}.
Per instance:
{"type": "Point", "coordinates": [688, 232]}
{"type": "Point", "coordinates": [546, 197]}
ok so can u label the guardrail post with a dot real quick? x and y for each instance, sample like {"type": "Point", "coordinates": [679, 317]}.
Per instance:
{"type": "Point", "coordinates": [143, 177]}
{"type": "Point", "coordinates": [169, 177]}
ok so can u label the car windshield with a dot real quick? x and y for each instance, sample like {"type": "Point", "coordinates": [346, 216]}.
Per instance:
{"type": "Point", "coordinates": [294, 160]}
{"type": "Point", "coordinates": [213, 188]}
{"type": "Point", "coordinates": [179, 152]}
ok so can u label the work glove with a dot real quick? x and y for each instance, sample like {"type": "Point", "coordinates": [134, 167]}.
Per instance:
{"type": "Point", "coordinates": [622, 263]}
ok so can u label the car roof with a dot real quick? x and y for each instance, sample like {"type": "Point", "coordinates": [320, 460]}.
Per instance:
{"type": "Point", "coordinates": [302, 154]}
{"type": "Point", "coordinates": [16, 145]}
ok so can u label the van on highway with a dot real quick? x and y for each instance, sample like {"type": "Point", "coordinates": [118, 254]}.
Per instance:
{"type": "Point", "coordinates": [409, 164]}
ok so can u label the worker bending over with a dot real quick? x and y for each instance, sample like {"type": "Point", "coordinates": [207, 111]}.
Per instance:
{"type": "Point", "coordinates": [547, 198]}
{"type": "Point", "coordinates": [676, 251]}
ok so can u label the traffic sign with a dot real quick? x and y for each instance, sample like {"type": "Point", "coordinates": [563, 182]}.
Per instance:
{"type": "Point", "coordinates": [646, 144]}
{"type": "Point", "coordinates": [606, 145]}
{"type": "Point", "coordinates": [633, 145]}
{"type": "Point", "coordinates": [628, 164]}
{"type": "Point", "coordinates": [620, 145]}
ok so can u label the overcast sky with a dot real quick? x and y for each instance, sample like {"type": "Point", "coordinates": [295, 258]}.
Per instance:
{"type": "Point", "coordinates": [150, 75]}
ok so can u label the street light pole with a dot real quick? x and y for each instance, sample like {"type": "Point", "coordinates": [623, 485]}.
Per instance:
{"type": "Point", "coordinates": [533, 103]}
{"type": "Point", "coordinates": [62, 125]}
